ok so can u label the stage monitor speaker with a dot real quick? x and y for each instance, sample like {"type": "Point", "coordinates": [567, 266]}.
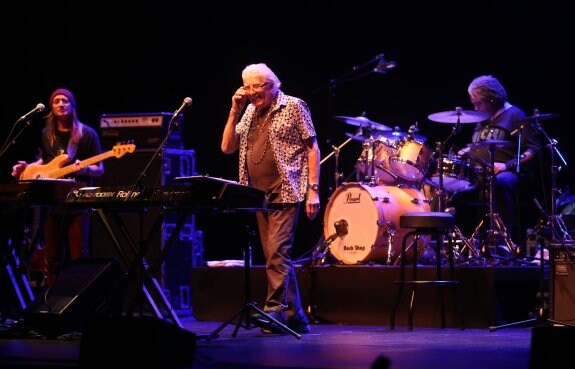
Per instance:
{"type": "Point", "coordinates": [551, 347]}
{"type": "Point", "coordinates": [135, 342]}
{"type": "Point", "coordinates": [84, 289]}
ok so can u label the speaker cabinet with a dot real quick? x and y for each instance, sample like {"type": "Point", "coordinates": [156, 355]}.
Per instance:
{"type": "Point", "coordinates": [84, 289]}
{"type": "Point", "coordinates": [135, 342]}
{"type": "Point", "coordinates": [563, 293]}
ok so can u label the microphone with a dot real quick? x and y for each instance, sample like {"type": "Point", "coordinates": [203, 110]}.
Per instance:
{"type": "Point", "coordinates": [518, 129]}
{"type": "Point", "coordinates": [187, 102]}
{"type": "Point", "coordinates": [38, 109]}
{"type": "Point", "coordinates": [412, 130]}
{"type": "Point", "coordinates": [340, 227]}
{"type": "Point", "coordinates": [383, 66]}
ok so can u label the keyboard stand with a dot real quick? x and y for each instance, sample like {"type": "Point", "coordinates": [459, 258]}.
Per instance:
{"type": "Point", "coordinates": [138, 268]}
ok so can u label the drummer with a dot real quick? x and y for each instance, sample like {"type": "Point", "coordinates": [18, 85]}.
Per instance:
{"type": "Point", "coordinates": [506, 123]}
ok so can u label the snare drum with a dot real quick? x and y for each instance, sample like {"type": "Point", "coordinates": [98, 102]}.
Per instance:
{"type": "Point", "coordinates": [363, 221]}
{"type": "Point", "coordinates": [458, 174]}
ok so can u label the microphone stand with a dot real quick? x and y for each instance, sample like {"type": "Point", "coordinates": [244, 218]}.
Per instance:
{"type": "Point", "coordinates": [559, 230]}
{"type": "Point", "coordinates": [322, 244]}
{"type": "Point", "coordinates": [559, 235]}
{"type": "Point", "coordinates": [140, 262]}
{"type": "Point", "coordinates": [11, 141]}
{"type": "Point", "coordinates": [357, 72]}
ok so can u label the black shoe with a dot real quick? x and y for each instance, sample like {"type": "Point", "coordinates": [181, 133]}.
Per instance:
{"type": "Point", "coordinates": [267, 325]}
{"type": "Point", "coordinates": [299, 325]}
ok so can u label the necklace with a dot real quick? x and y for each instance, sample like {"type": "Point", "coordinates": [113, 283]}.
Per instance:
{"type": "Point", "coordinates": [261, 128]}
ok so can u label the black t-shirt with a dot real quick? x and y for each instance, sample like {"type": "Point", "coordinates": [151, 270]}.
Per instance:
{"type": "Point", "coordinates": [89, 146]}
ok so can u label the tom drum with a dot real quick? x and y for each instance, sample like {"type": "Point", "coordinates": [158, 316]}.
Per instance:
{"type": "Point", "coordinates": [410, 159]}
{"type": "Point", "coordinates": [378, 164]}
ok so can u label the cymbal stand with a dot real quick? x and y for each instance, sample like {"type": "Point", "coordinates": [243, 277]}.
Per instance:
{"type": "Point", "coordinates": [369, 150]}
{"type": "Point", "coordinates": [441, 194]}
{"type": "Point", "coordinates": [496, 226]}
{"type": "Point", "coordinates": [336, 149]}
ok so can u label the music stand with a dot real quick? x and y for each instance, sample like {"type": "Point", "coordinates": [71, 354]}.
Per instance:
{"type": "Point", "coordinates": [242, 317]}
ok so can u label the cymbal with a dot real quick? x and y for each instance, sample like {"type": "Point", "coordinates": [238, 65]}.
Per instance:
{"type": "Point", "coordinates": [357, 137]}
{"type": "Point", "coordinates": [362, 138]}
{"type": "Point", "coordinates": [461, 116]}
{"type": "Point", "coordinates": [386, 136]}
{"type": "Point", "coordinates": [538, 117]}
{"type": "Point", "coordinates": [398, 135]}
{"type": "Point", "coordinates": [363, 122]}
{"type": "Point", "coordinates": [498, 144]}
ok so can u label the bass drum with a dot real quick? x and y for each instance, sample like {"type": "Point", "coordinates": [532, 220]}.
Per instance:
{"type": "Point", "coordinates": [362, 222]}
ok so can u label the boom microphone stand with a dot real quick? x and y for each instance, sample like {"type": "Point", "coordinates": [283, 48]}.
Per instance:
{"type": "Point", "coordinates": [559, 236]}
{"type": "Point", "coordinates": [147, 286]}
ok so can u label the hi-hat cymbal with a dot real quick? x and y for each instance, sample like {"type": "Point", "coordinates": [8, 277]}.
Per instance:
{"type": "Point", "coordinates": [497, 144]}
{"type": "Point", "coordinates": [459, 116]}
{"type": "Point", "coordinates": [363, 122]}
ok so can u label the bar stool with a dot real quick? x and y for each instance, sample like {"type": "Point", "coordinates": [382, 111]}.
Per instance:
{"type": "Point", "coordinates": [439, 225]}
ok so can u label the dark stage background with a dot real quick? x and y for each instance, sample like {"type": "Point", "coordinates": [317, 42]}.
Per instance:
{"type": "Point", "coordinates": [147, 56]}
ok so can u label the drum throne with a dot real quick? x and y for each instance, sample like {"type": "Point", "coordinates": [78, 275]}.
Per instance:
{"type": "Point", "coordinates": [439, 225]}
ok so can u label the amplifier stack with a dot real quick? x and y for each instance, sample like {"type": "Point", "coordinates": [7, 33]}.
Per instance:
{"type": "Point", "coordinates": [146, 130]}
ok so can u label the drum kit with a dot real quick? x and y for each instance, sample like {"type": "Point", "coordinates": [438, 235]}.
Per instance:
{"type": "Point", "coordinates": [394, 173]}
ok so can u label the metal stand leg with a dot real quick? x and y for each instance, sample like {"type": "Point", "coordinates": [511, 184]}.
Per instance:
{"type": "Point", "coordinates": [496, 226]}
{"type": "Point", "coordinates": [468, 252]}
{"type": "Point", "coordinates": [242, 317]}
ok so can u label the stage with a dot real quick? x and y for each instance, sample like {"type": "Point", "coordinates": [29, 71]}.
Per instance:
{"type": "Point", "coordinates": [349, 306]}
{"type": "Point", "coordinates": [365, 294]}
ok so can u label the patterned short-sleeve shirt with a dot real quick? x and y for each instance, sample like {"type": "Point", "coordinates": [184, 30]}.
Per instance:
{"type": "Point", "coordinates": [290, 124]}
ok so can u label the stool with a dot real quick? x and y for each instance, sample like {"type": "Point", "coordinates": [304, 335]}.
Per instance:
{"type": "Point", "coordinates": [439, 225]}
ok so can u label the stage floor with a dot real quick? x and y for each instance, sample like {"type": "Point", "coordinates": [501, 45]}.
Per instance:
{"type": "Point", "coordinates": [350, 311]}
{"type": "Point", "coordinates": [328, 346]}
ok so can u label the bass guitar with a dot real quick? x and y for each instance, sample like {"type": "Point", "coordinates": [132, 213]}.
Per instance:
{"type": "Point", "coordinates": [56, 169]}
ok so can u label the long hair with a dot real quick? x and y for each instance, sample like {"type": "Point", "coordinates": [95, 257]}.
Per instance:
{"type": "Point", "coordinates": [75, 133]}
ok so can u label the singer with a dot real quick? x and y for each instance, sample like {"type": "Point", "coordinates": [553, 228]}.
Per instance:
{"type": "Point", "coordinates": [279, 154]}
{"type": "Point", "coordinates": [488, 95]}
{"type": "Point", "coordinates": [64, 229]}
